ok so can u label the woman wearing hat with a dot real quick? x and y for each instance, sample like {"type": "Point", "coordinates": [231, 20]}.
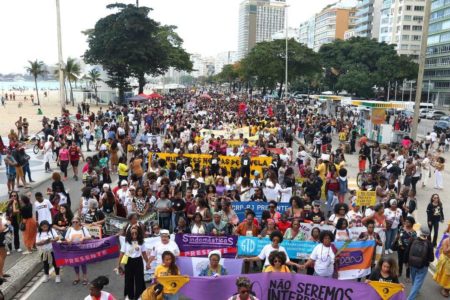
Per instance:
{"type": "Point", "coordinates": [214, 267]}
{"type": "Point", "coordinates": [165, 244]}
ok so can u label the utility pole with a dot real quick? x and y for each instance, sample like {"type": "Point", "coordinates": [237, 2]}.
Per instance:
{"type": "Point", "coordinates": [422, 57]}
{"type": "Point", "coordinates": [395, 97]}
{"type": "Point", "coordinates": [60, 58]}
{"type": "Point", "coordinates": [137, 3]}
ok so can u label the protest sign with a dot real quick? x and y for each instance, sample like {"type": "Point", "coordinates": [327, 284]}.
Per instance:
{"type": "Point", "coordinates": [201, 245]}
{"type": "Point", "coordinates": [192, 266]}
{"type": "Point", "coordinates": [227, 133]}
{"type": "Point", "coordinates": [88, 252]}
{"type": "Point", "coordinates": [366, 198]}
{"type": "Point", "coordinates": [386, 289]}
{"type": "Point", "coordinates": [238, 143]}
{"type": "Point", "coordinates": [252, 246]}
{"type": "Point", "coordinates": [356, 259]}
{"type": "Point", "coordinates": [257, 163]}
{"type": "Point", "coordinates": [95, 231]}
{"type": "Point", "coordinates": [258, 207]}
{"type": "Point", "coordinates": [271, 286]}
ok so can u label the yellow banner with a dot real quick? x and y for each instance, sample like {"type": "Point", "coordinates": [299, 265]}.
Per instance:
{"type": "Point", "coordinates": [257, 163]}
{"type": "Point", "coordinates": [173, 283]}
{"type": "Point", "coordinates": [366, 198]}
{"type": "Point", "coordinates": [238, 143]}
{"type": "Point", "coordinates": [385, 289]}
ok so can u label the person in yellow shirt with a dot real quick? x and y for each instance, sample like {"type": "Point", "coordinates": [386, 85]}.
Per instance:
{"type": "Point", "coordinates": [167, 268]}
{"type": "Point", "coordinates": [122, 169]}
{"type": "Point", "coordinates": [322, 169]}
{"type": "Point", "coordinates": [277, 260]}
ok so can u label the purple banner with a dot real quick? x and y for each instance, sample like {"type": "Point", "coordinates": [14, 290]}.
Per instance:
{"type": "Point", "coordinates": [87, 252]}
{"type": "Point", "coordinates": [272, 286]}
{"type": "Point", "coordinates": [193, 245]}
{"type": "Point", "coordinates": [192, 266]}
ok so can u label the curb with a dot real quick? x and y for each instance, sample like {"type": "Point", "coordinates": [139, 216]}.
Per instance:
{"type": "Point", "coordinates": [21, 273]}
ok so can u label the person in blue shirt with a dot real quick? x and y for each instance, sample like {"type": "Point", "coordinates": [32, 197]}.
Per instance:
{"type": "Point", "coordinates": [214, 268]}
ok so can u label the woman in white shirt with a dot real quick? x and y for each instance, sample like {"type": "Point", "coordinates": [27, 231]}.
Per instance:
{"type": "Point", "coordinates": [78, 234]}
{"type": "Point", "coordinates": [198, 227]}
{"type": "Point", "coordinates": [323, 256]}
{"type": "Point", "coordinates": [44, 238]}
{"type": "Point", "coordinates": [276, 238]}
{"type": "Point", "coordinates": [96, 292]}
{"type": "Point", "coordinates": [166, 244]}
{"type": "Point", "coordinates": [132, 253]}
{"type": "Point", "coordinates": [394, 217]}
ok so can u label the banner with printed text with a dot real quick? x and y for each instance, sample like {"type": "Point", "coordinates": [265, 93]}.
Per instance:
{"type": "Point", "coordinates": [88, 252]}
{"type": "Point", "coordinates": [257, 163]}
{"type": "Point", "coordinates": [193, 266]}
{"type": "Point", "coordinates": [258, 207]}
{"type": "Point", "coordinates": [200, 245]}
{"type": "Point", "coordinates": [277, 286]}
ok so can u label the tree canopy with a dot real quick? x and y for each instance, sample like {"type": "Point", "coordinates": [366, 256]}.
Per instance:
{"type": "Point", "coordinates": [129, 43]}
{"type": "Point", "coordinates": [359, 64]}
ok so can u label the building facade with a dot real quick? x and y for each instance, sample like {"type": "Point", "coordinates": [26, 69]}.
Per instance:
{"type": "Point", "coordinates": [224, 58]}
{"type": "Point", "coordinates": [367, 23]}
{"type": "Point", "coordinates": [258, 21]}
{"type": "Point", "coordinates": [401, 24]}
{"type": "Point", "coordinates": [332, 23]}
{"type": "Point", "coordinates": [437, 64]}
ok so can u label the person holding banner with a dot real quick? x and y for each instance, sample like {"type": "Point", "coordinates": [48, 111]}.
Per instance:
{"type": "Point", "coordinates": [166, 244]}
{"type": "Point", "coordinates": [385, 271]}
{"type": "Point", "coordinates": [323, 256]}
{"type": "Point", "coordinates": [244, 290]}
{"type": "Point", "coordinates": [167, 268]}
{"type": "Point", "coordinates": [77, 234]}
{"type": "Point", "coordinates": [44, 238]}
{"type": "Point", "coordinates": [132, 253]}
{"type": "Point", "coordinates": [277, 261]}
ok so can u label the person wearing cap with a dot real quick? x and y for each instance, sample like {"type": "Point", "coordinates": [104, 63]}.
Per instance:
{"type": "Point", "coordinates": [419, 256]}
{"type": "Point", "coordinates": [94, 216]}
{"type": "Point", "coordinates": [214, 267]}
{"type": "Point", "coordinates": [165, 244]}
{"type": "Point", "coordinates": [256, 181]}
{"type": "Point", "coordinates": [315, 216]}
{"type": "Point", "coordinates": [394, 217]}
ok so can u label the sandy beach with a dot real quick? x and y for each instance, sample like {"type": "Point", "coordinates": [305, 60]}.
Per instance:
{"type": "Point", "coordinates": [50, 107]}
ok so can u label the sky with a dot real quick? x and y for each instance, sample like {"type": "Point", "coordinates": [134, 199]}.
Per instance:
{"type": "Point", "coordinates": [28, 27]}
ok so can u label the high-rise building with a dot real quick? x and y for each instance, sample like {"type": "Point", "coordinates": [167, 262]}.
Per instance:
{"type": "Point", "coordinates": [293, 33]}
{"type": "Point", "coordinates": [332, 23]}
{"type": "Point", "coordinates": [224, 58]}
{"type": "Point", "coordinates": [437, 64]}
{"type": "Point", "coordinates": [367, 23]}
{"type": "Point", "coordinates": [401, 24]}
{"type": "Point", "coordinates": [258, 20]}
{"type": "Point", "coordinates": [306, 32]}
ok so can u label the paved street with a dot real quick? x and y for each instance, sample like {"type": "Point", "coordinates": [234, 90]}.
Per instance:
{"type": "Point", "coordinates": [51, 290]}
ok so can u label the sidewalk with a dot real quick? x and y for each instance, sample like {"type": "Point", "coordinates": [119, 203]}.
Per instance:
{"type": "Point", "coordinates": [22, 268]}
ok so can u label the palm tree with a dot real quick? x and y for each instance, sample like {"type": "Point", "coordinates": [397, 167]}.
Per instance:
{"type": "Point", "coordinates": [36, 68]}
{"type": "Point", "coordinates": [72, 71]}
{"type": "Point", "coordinates": [94, 77]}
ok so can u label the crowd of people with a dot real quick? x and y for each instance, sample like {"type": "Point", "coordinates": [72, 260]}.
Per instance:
{"type": "Point", "coordinates": [123, 176]}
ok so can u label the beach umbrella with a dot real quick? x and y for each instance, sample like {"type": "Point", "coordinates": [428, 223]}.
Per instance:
{"type": "Point", "coordinates": [205, 96]}
{"type": "Point", "coordinates": [155, 96]}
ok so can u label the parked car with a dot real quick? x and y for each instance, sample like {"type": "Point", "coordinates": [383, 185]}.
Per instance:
{"type": "Point", "coordinates": [446, 118]}
{"type": "Point", "coordinates": [441, 126]}
{"type": "Point", "coordinates": [423, 112]}
{"type": "Point", "coordinates": [435, 114]}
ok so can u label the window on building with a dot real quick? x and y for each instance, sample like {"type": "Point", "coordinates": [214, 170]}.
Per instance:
{"type": "Point", "coordinates": [407, 18]}
{"type": "Point", "coordinates": [416, 37]}
{"type": "Point", "coordinates": [405, 37]}
{"type": "Point", "coordinates": [418, 18]}
{"type": "Point", "coordinates": [417, 28]}
{"type": "Point", "coordinates": [408, 7]}
{"type": "Point", "coordinates": [406, 27]}
{"type": "Point", "coordinates": [418, 8]}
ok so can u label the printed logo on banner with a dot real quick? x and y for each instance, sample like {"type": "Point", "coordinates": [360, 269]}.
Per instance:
{"type": "Point", "coordinates": [351, 258]}
{"type": "Point", "coordinates": [248, 245]}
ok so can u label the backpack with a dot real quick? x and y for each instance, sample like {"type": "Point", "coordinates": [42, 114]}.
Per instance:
{"type": "Point", "coordinates": [418, 253]}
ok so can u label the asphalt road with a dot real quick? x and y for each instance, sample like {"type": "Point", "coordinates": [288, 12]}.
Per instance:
{"type": "Point", "coordinates": [65, 290]}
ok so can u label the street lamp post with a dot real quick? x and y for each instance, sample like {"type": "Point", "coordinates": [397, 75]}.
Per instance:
{"type": "Point", "coordinates": [422, 57]}
{"type": "Point", "coordinates": [60, 58]}
{"type": "Point", "coordinates": [287, 53]}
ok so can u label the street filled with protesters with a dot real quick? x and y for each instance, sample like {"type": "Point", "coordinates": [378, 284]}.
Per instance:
{"type": "Point", "coordinates": [227, 188]}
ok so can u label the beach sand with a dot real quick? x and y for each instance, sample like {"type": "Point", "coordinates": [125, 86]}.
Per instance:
{"type": "Point", "coordinates": [50, 107]}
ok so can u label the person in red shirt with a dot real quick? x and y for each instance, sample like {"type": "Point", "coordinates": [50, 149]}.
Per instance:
{"type": "Point", "coordinates": [248, 227]}
{"type": "Point", "coordinates": [283, 224]}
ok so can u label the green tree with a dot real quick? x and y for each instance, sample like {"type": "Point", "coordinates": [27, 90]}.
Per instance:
{"type": "Point", "coordinates": [93, 77]}
{"type": "Point", "coordinates": [72, 71]}
{"type": "Point", "coordinates": [228, 75]}
{"type": "Point", "coordinates": [359, 64]}
{"type": "Point", "coordinates": [267, 61]}
{"type": "Point", "coordinates": [130, 44]}
{"type": "Point", "coordinates": [36, 68]}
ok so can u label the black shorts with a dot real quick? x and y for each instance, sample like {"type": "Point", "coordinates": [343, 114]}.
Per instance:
{"type": "Point", "coordinates": [74, 163]}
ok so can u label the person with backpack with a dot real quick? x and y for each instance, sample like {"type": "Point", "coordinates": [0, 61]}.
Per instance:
{"type": "Point", "coordinates": [420, 255]}
{"type": "Point", "coordinates": [244, 290]}
{"type": "Point", "coordinates": [44, 238]}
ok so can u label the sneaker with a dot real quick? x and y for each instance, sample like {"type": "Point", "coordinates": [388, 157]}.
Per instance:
{"type": "Point", "coordinates": [45, 278]}
{"type": "Point", "coordinates": [19, 250]}
{"type": "Point", "coordinates": [58, 279]}
{"type": "Point", "coordinates": [26, 252]}
{"type": "Point", "coordinates": [8, 252]}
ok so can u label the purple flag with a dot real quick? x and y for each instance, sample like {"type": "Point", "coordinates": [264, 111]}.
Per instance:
{"type": "Point", "coordinates": [192, 266]}
{"type": "Point", "coordinates": [87, 252]}
{"type": "Point", "coordinates": [193, 245]}
{"type": "Point", "coordinates": [438, 249]}
{"type": "Point", "coordinates": [271, 286]}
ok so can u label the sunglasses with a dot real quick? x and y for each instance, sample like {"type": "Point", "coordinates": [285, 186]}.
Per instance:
{"type": "Point", "coordinates": [277, 261]}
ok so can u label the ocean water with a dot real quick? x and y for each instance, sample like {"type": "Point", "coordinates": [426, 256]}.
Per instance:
{"type": "Point", "coordinates": [28, 85]}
